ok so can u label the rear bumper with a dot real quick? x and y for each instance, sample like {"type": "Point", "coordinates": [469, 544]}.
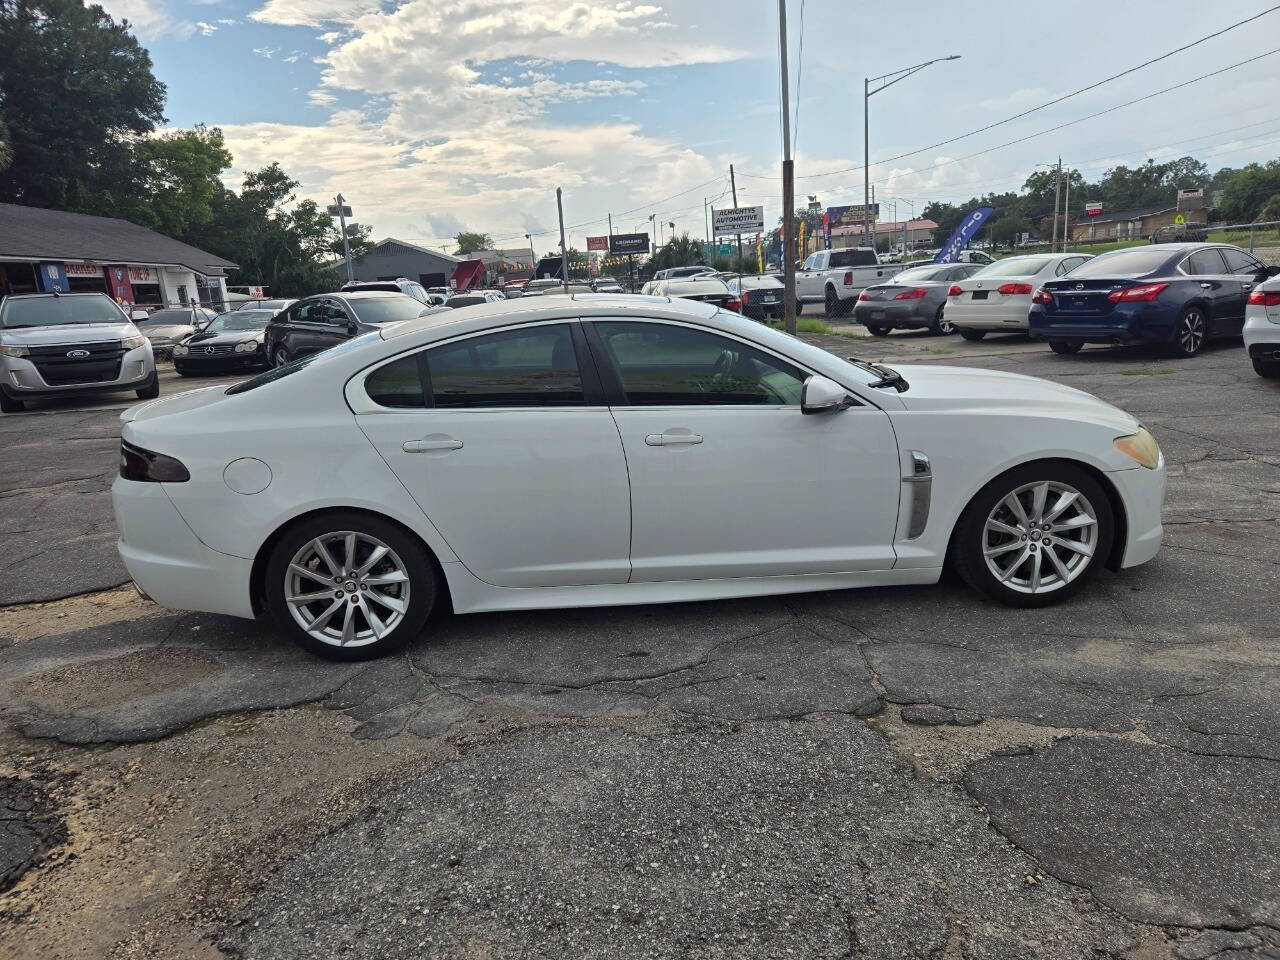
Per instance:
{"type": "Point", "coordinates": [969, 316]}
{"type": "Point", "coordinates": [1261, 338]}
{"type": "Point", "coordinates": [168, 562]}
{"type": "Point", "coordinates": [1127, 323]}
{"type": "Point", "coordinates": [1142, 493]}
{"type": "Point", "coordinates": [901, 315]}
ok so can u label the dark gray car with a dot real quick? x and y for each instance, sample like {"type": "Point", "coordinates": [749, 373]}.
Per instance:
{"type": "Point", "coordinates": [911, 300]}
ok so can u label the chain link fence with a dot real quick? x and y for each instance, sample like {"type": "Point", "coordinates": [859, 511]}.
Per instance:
{"type": "Point", "coordinates": [1262, 239]}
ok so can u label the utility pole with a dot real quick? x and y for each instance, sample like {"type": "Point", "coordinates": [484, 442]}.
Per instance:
{"type": "Point", "coordinates": [866, 160]}
{"type": "Point", "coordinates": [1066, 211]}
{"type": "Point", "coordinates": [564, 251]}
{"type": "Point", "coordinates": [611, 226]}
{"type": "Point", "coordinates": [733, 185]}
{"type": "Point", "coordinates": [339, 209]}
{"type": "Point", "coordinates": [788, 181]}
{"type": "Point", "coordinates": [1057, 195]}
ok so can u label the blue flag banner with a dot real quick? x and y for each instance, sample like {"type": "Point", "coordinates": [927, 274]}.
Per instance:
{"type": "Point", "coordinates": [972, 222]}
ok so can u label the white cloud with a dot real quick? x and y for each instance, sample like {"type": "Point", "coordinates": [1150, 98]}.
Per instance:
{"type": "Point", "coordinates": [228, 21]}
{"type": "Point", "coordinates": [267, 52]}
{"type": "Point", "coordinates": [206, 29]}
{"type": "Point", "coordinates": [292, 58]}
{"type": "Point", "coordinates": [313, 13]}
{"type": "Point", "coordinates": [149, 18]}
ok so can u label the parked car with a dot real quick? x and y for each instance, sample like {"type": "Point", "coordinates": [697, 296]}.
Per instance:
{"type": "Point", "coordinates": [166, 327]}
{"type": "Point", "coordinates": [911, 300]}
{"type": "Point", "coordinates": [998, 296]}
{"type": "Point", "coordinates": [231, 341]}
{"type": "Point", "coordinates": [535, 287]}
{"type": "Point", "coordinates": [55, 345]}
{"type": "Point", "coordinates": [410, 288]}
{"type": "Point", "coordinates": [445, 292]}
{"type": "Point", "coordinates": [660, 452]}
{"type": "Point", "coordinates": [317, 323]}
{"type": "Point", "coordinates": [274, 305]}
{"type": "Point", "coordinates": [472, 297]}
{"type": "Point", "coordinates": [834, 278]}
{"type": "Point", "coordinates": [674, 273]}
{"type": "Point", "coordinates": [705, 287]}
{"type": "Point", "coordinates": [758, 297]}
{"type": "Point", "coordinates": [607, 285]}
{"type": "Point", "coordinates": [1178, 295]}
{"type": "Point", "coordinates": [1262, 328]}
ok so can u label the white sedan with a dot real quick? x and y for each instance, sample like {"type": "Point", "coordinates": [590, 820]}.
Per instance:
{"type": "Point", "coordinates": [604, 449]}
{"type": "Point", "coordinates": [1262, 328]}
{"type": "Point", "coordinates": [998, 297]}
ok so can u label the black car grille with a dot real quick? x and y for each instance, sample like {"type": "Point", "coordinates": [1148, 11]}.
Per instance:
{"type": "Point", "coordinates": [101, 365]}
{"type": "Point", "coordinates": [196, 351]}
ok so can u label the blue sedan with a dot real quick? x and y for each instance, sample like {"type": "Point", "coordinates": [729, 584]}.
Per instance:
{"type": "Point", "coordinates": [1176, 294]}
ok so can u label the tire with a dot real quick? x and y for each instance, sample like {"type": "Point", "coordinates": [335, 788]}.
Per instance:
{"type": "Point", "coordinates": [9, 405]}
{"type": "Point", "coordinates": [1065, 347]}
{"type": "Point", "coordinates": [990, 523]}
{"type": "Point", "coordinates": [799, 307]}
{"type": "Point", "coordinates": [1190, 332]}
{"type": "Point", "coordinates": [879, 331]}
{"type": "Point", "coordinates": [280, 357]}
{"type": "Point", "coordinates": [940, 327]}
{"type": "Point", "coordinates": [1266, 368]}
{"type": "Point", "coordinates": [831, 302]}
{"type": "Point", "coordinates": [181, 371]}
{"type": "Point", "coordinates": [151, 390]}
{"type": "Point", "coordinates": [973, 335]}
{"type": "Point", "coordinates": [349, 614]}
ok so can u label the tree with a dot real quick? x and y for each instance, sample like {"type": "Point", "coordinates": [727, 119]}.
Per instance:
{"type": "Point", "coordinates": [1006, 228]}
{"type": "Point", "coordinates": [469, 242]}
{"type": "Point", "coordinates": [6, 150]}
{"type": "Point", "coordinates": [178, 175]}
{"type": "Point", "coordinates": [681, 251]}
{"type": "Point", "coordinates": [1271, 211]}
{"type": "Point", "coordinates": [77, 87]}
{"type": "Point", "coordinates": [1249, 190]}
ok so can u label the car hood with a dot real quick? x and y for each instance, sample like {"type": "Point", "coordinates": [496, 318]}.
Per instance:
{"type": "Point", "coordinates": [224, 336]}
{"type": "Point", "coordinates": [69, 333]}
{"type": "Point", "coordinates": [953, 389]}
{"type": "Point", "coordinates": [171, 330]}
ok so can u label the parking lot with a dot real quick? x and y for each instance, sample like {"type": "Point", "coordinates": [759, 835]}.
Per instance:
{"type": "Point", "coordinates": [874, 773]}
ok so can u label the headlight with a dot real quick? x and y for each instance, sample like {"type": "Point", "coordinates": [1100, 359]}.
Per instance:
{"type": "Point", "coordinates": [246, 346]}
{"type": "Point", "coordinates": [132, 343]}
{"type": "Point", "coordinates": [14, 351]}
{"type": "Point", "coordinates": [1140, 446]}
{"type": "Point", "coordinates": [179, 350]}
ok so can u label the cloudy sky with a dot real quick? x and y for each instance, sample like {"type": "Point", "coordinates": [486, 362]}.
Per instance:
{"type": "Point", "coordinates": [433, 116]}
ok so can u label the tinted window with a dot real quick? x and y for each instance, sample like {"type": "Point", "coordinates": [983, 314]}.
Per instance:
{"type": "Point", "coordinates": [918, 274]}
{"type": "Point", "coordinates": [385, 309]}
{"type": "Point", "coordinates": [853, 258]}
{"type": "Point", "coordinates": [1204, 263]}
{"type": "Point", "coordinates": [309, 311]}
{"type": "Point", "coordinates": [661, 364]}
{"type": "Point", "coordinates": [465, 300]}
{"type": "Point", "coordinates": [1123, 263]}
{"type": "Point", "coordinates": [397, 384]}
{"type": "Point", "coordinates": [534, 367]}
{"type": "Point", "coordinates": [168, 317]}
{"type": "Point", "coordinates": [1240, 262]}
{"type": "Point", "coordinates": [1070, 264]}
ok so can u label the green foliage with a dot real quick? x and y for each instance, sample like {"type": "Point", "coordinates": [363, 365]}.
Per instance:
{"type": "Point", "coordinates": [1271, 211]}
{"type": "Point", "coordinates": [681, 251]}
{"type": "Point", "coordinates": [469, 242]}
{"type": "Point", "coordinates": [811, 325]}
{"type": "Point", "coordinates": [1005, 229]}
{"type": "Point", "coordinates": [6, 147]}
{"type": "Point", "coordinates": [1249, 191]}
{"type": "Point", "coordinates": [177, 177]}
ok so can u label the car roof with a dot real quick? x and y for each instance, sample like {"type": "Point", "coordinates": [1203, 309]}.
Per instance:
{"type": "Point", "coordinates": [32, 296]}
{"type": "Point", "coordinates": [360, 295]}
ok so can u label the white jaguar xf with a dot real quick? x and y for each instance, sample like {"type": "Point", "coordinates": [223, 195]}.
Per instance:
{"type": "Point", "coordinates": [601, 449]}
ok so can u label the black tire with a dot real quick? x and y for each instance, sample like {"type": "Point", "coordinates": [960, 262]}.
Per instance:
{"type": "Point", "coordinates": [1190, 332]}
{"type": "Point", "coordinates": [879, 331]}
{"type": "Point", "coordinates": [969, 539]}
{"type": "Point", "coordinates": [10, 405]}
{"type": "Point", "coordinates": [279, 357]}
{"type": "Point", "coordinates": [422, 584]}
{"type": "Point", "coordinates": [972, 334]}
{"type": "Point", "coordinates": [151, 390]}
{"type": "Point", "coordinates": [831, 302]}
{"type": "Point", "coordinates": [181, 370]}
{"type": "Point", "coordinates": [940, 327]}
{"type": "Point", "coordinates": [1266, 368]}
{"type": "Point", "coordinates": [799, 307]}
{"type": "Point", "coordinates": [1065, 347]}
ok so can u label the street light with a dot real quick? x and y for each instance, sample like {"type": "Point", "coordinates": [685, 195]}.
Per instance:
{"type": "Point", "coordinates": [886, 80]}
{"type": "Point", "coordinates": [905, 231]}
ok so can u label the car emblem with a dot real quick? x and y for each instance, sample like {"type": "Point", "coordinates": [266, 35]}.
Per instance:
{"type": "Point", "coordinates": [208, 349]}
{"type": "Point", "coordinates": [77, 354]}
{"type": "Point", "coordinates": [978, 285]}
{"type": "Point", "coordinates": [1079, 286]}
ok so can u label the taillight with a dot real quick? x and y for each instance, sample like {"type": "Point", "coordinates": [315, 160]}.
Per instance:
{"type": "Point", "coordinates": [744, 297]}
{"type": "Point", "coordinates": [1147, 291]}
{"type": "Point", "coordinates": [733, 303]}
{"type": "Point", "coordinates": [1042, 296]}
{"type": "Point", "coordinates": [848, 278]}
{"type": "Point", "coordinates": [864, 295]}
{"type": "Point", "coordinates": [1265, 298]}
{"type": "Point", "coordinates": [955, 290]}
{"type": "Point", "coordinates": [915, 293]}
{"type": "Point", "coordinates": [1011, 288]}
{"type": "Point", "coordinates": [146, 466]}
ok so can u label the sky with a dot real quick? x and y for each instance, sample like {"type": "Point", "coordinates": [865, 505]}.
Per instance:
{"type": "Point", "coordinates": [434, 116]}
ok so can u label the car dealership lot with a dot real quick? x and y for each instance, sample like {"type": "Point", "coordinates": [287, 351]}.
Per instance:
{"type": "Point", "coordinates": [885, 772]}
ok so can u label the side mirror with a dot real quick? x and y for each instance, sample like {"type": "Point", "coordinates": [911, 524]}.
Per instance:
{"type": "Point", "coordinates": [139, 315]}
{"type": "Point", "coordinates": [821, 395]}
{"type": "Point", "coordinates": [352, 328]}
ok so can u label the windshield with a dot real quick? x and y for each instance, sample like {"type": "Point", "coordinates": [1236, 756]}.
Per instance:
{"type": "Point", "coordinates": [1122, 263]}
{"type": "Point", "coordinates": [55, 311]}
{"type": "Point", "coordinates": [385, 309]}
{"type": "Point", "coordinates": [168, 317]}
{"type": "Point", "coordinates": [463, 301]}
{"type": "Point", "coordinates": [240, 320]}
{"type": "Point", "coordinates": [289, 369]}
{"type": "Point", "coordinates": [1012, 267]}
{"type": "Point", "coordinates": [916, 274]}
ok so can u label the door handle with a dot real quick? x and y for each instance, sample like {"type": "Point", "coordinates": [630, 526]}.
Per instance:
{"type": "Point", "coordinates": [1206, 286]}
{"type": "Point", "coordinates": [671, 439]}
{"type": "Point", "coordinates": [1246, 286]}
{"type": "Point", "coordinates": [431, 443]}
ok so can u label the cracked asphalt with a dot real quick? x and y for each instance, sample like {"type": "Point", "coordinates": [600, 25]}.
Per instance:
{"type": "Point", "coordinates": [878, 773]}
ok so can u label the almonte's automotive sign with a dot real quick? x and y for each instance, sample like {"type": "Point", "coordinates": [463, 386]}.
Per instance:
{"type": "Point", "coordinates": [737, 220]}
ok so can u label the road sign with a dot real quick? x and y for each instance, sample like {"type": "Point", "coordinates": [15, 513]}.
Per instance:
{"type": "Point", "coordinates": [629, 243]}
{"type": "Point", "coordinates": [1092, 209]}
{"type": "Point", "coordinates": [597, 243]}
{"type": "Point", "coordinates": [724, 249]}
{"type": "Point", "coordinates": [737, 220]}
{"type": "Point", "coordinates": [333, 211]}
{"type": "Point", "coordinates": [1179, 219]}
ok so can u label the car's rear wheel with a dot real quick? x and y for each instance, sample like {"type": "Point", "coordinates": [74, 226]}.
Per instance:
{"type": "Point", "coordinates": [973, 334]}
{"type": "Point", "coordinates": [1034, 535]}
{"type": "Point", "coordinates": [1266, 368]}
{"type": "Point", "coordinates": [152, 388]}
{"type": "Point", "coordinates": [831, 302]}
{"type": "Point", "coordinates": [1065, 347]}
{"type": "Point", "coordinates": [940, 326]}
{"type": "Point", "coordinates": [799, 307]}
{"type": "Point", "coordinates": [1189, 333]}
{"type": "Point", "coordinates": [350, 586]}
{"type": "Point", "coordinates": [879, 331]}
{"type": "Point", "coordinates": [9, 405]}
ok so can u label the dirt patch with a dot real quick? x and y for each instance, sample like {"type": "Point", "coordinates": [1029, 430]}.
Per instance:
{"type": "Point", "coordinates": [28, 621]}
{"type": "Point", "coordinates": [29, 827]}
{"type": "Point", "coordinates": [115, 680]}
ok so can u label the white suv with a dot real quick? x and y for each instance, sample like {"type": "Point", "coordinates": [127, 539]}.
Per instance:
{"type": "Point", "coordinates": [1262, 327]}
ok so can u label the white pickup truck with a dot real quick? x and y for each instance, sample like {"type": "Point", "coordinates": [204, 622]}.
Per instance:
{"type": "Point", "coordinates": [834, 278]}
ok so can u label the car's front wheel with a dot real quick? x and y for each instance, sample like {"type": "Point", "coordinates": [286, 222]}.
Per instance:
{"type": "Point", "coordinates": [1189, 333]}
{"type": "Point", "coordinates": [152, 388]}
{"type": "Point", "coordinates": [10, 405]}
{"type": "Point", "coordinates": [879, 331]}
{"type": "Point", "coordinates": [1034, 535]}
{"type": "Point", "coordinates": [280, 357]}
{"type": "Point", "coordinates": [350, 586]}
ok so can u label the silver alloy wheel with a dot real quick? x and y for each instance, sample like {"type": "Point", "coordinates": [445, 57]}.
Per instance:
{"type": "Point", "coordinates": [1040, 537]}
{"type": "Point", "coordinates": [1191, 332]}
{"type": "Point", "coordinates": [945, 327]}
{"type": "Point", "coordinates": [282, 357]}
{"type": "Point", "coordinates": [347, 589]}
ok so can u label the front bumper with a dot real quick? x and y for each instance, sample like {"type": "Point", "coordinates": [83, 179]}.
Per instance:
{"type": "Point", "coordinates": [19, 376]}
{"type": "Point", "coordinates": [908, 315]}
{"type": "Point", "coordinates": [168, 562]}
{"type": "Point", "coordinates": [1142, 493]}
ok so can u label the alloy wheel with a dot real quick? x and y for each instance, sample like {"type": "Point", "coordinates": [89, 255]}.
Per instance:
{"type": "Point", "coordinates": [942, 325]}
{"type": "Point", "coordinates": [1191, 332]}
{"type": "Point", "coordinates": [282, 357]}
{"type": "Point", "coordinates": [1040, 537]}
{"type": "Point", "coordinates": [347, 589]}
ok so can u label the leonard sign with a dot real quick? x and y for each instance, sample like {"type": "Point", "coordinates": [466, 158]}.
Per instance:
{"type": "Point", "coordinates": [737, 220]}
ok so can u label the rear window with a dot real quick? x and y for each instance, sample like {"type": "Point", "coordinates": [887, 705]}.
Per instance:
{"type": "Point", "coordinates": [1013, 267]}
{"type": "Point", "coordinates": [385, 309]}
{"type": "Point", "coordinates": [917, 274]}
{"type": "Point", "coordinates": [463, 301]}
{"type": "Point", "coordinates": [289, 369]}
{"type": "Point", "coordinates": [852, 258]}
{"type": "Point", "coordinates": [1123, 263]}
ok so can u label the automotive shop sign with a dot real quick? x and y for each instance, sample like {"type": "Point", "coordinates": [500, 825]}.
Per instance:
{"type": "Point", "coordinates": [969, 225]}
{"type": "Point", "coordinates": [737, 220]}
{"type": "Point", "coordinates": [628, 243]}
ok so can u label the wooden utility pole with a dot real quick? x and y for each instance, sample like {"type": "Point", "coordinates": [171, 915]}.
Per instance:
{"type": "Point", "coordinates": [564, 251]}
{"type": "Point", "coordinates": [733, 185]}
{"type": "Point", "coordinates": [1057, 191]}
{"type": "Point", "coordinates": [788, 182]}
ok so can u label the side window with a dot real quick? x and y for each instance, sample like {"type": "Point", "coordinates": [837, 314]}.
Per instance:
{"type": "Point", "coordinates": [533, 367]}
{"type": "Point", "coordinates": [1204, 263]}
{"type": "Point", "coordinates": [397, 384]}
{"type": "Point", "coordinates": [335, 313]}
{"type": "Point", "coordinates": [665, 365]}
{"type": "Point", "coordinates": [808, 263]}
{"type": "Point", "coordinates": [310, 311]}
{"type": "Point", "coordinates": [1240, 263]}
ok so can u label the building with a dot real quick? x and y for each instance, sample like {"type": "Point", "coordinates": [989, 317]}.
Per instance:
{"type": "Point", "coordinates": [47, 250]}
{"type": "Point", "coordinates": [919, 233]}
{"type": "Point", "coordinates": [1127, 224]}
{"type": "Point", "coordinates": [391, 259]}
